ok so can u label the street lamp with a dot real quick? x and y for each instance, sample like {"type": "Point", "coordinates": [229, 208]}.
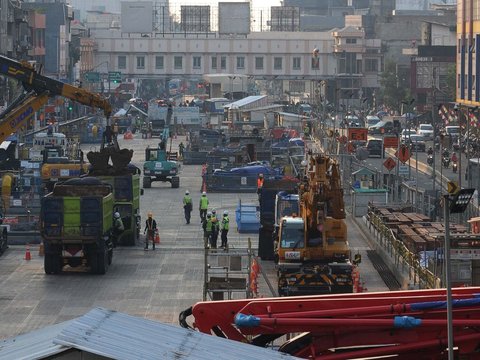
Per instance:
{"type": "Point", "coordinates": [454, 205]}
{"type": "Point", "coordinates": [231, 85]}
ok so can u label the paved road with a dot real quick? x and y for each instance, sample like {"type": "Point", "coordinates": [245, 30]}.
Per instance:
{"type": "Point", "coordinates": [155, 285]}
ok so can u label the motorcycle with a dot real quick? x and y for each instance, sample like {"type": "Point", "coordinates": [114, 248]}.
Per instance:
{"type": "Point", "coordinates": [454, 166]}
{"type": "Point", "coordinates": [430, 160]}
{"type": "Point", "coordinates": [446, 162]}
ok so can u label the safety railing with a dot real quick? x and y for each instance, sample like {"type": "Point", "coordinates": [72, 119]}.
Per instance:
{"type": "Point", "coordinates": [401, 256]}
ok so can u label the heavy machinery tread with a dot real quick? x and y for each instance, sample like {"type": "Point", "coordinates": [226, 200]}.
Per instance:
{"type": "Point", "coordinates": [387, 276]}
{"type": "Point", "coordinates": [175, 182]}
{"type": "Point", "coordinates": [147, 182]}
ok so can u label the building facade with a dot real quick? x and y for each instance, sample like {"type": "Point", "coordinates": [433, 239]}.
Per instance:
{"type": "Point", "coordinates": [468, 65]}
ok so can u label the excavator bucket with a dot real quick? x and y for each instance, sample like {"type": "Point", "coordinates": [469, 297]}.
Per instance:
{"type": "Point", "coordinates": [121, 158]}
{"type": "Point", "coordinates": [99, 159]}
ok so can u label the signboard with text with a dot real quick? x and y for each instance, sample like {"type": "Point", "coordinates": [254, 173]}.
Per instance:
{"type": "Point", "coordinates": [357, 134]}
{"type": "Point", "coordinates": [390, 142]}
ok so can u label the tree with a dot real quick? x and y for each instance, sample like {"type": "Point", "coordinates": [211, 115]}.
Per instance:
{"type": "Point", "coordinates": [392, 90]}
{"type": "Point", "coordinates": [451, 82]}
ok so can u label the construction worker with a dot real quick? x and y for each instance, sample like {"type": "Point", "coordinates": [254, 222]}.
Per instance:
{"type": "Point", "coordinates": [259, 185]}
{"type": "Point", "coordinates": [150, 230]}
{"type": "Point", "coordinates": [181, 149]}
{"type": "Point", "coordinates": [215, 229]}
{"type": "Point", "coordinates": [118, 228]}
{"type": "Point", "coordinates": [259, 182]}
{"type": "Point", "coordinates": [207, 229]}
{"type": "Point", "coordinates": [225, 226]}
{"type": "Point", "coordinates": [203, 206]}
{"type": "Point", "coordinates": [187, 206]}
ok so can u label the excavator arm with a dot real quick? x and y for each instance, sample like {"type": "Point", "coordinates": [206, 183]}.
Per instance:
{"type": "Point", "coordinates": [41, 87]}
{"type": "Point", "coordinates": [21, 114]}
{"type": "Point", "coordinates": [33, 81]}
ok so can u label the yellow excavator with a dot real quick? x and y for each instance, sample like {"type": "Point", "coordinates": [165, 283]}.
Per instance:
{"type": "Point", "coordinates": [37, 90]}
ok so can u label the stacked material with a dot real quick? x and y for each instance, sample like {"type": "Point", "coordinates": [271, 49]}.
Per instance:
{"type": "Point", "coordinates": [417, 231]}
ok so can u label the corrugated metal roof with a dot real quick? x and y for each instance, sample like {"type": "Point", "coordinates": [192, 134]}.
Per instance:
{"type": "Point", "coordinates": [245, 101]}
{"type": "Point", "coordinates": [120, 336]}
{"type": "Point", "coordinates": [37, 344]}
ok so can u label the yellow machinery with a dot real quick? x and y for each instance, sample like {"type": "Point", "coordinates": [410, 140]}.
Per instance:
{"type": "Point", "coordinates": [38, 88]}
{"type": "Point", "coordinates": [312, 249]}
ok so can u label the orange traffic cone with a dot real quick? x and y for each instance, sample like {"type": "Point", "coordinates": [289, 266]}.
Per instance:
{"type": "Point", "coordinates": [28, 256]}
{"type": "Point", "coordinates": [157, 237]}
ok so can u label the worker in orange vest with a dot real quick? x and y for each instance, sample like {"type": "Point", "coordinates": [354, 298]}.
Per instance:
{"type": "Point", "coordinates": [259, 185]}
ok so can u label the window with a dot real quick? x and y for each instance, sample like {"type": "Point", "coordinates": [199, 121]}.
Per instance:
{"type": "Point", "coordinates": [140, 62]}
{"type": "Point", "coordinates": [197, 62]}
{"type": "Point", "coordinates": [371, 65]}
{"type": "Point", "coordinates": [122, 62]}
{"type": "Point", "coordinates": [177, 62]}
{"type": "Point", "coordinates": [158, 62]}
{"type": "Point", "coordinates": [240, 62]}
{"type": "Point", "coordinates": [259, 63]}
{"type": "Point", "coordinates": [223, 62]}
{"type": "Point", "coordinates": [351, 41]}
{"type": "Point", "coordinates": [297, 63]}
{"type": "Point", "coordinates": [214, 62]}
{"type": "Point", "coordinates": [277, 63]}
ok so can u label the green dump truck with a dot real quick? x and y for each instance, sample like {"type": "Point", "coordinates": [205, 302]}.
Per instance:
{"type": "Point", "coordinates": [77, 220]}
{"type": "Point", "coordinates": [126, 201]}
{"type": "Point", "coordinates": [76, 225]}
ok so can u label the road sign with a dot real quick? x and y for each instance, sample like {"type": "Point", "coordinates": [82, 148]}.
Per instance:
{"type": "Point", "coordinates": [92, 76]}
{"type": "Point", "coordinates": [403, 170]}
{"type": "Point", "coordinates": [114, 76]}
{"type": "Point", "coordinates": [390, 142]}
{"type": "Point", "coordinates": [357, 134]}
{"type": "Point", "coordinates": [389, 164]}
{"type": "Point", "coordinates": [452, 187]}
{"type": "Point", "coordinates": [403, 154]}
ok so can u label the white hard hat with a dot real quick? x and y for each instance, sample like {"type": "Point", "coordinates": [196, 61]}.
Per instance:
{"type": "Point", "coordinates": [225, 212]}
{"type": "Point", "coordinates": [117, 215]}
{"type": "Point", "coordinates": [209, 214]}
{"type": "Point", "coordinates": [204, 193]}
{"type": "Point", "coordinates": [187, 192]}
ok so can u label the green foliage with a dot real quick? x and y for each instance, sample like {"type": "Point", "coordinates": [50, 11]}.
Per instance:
{"type": "Point", "coordinates": [392, 91]}
{"type": "Point", "coordinates": [451, 82]}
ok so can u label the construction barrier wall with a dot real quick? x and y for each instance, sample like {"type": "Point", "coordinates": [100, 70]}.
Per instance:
{"type": "Point", "coordinates": [231, 183]}
{"type": "Point", "coordinates": [194, 157]}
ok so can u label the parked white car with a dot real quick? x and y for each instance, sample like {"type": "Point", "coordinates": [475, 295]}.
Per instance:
{"type": "Point", "coordinates": [426, 130]}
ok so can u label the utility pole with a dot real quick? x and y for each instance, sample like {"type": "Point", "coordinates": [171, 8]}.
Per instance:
{"type": "Point", "coordinates": [434, 172]}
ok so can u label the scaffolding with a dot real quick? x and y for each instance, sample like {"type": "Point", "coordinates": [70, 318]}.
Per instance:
{"type": "Point", "coordinates": [227, 271]}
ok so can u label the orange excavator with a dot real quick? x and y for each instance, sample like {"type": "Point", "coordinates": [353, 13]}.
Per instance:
{"type": "Point", "coordinates": [37, 90]}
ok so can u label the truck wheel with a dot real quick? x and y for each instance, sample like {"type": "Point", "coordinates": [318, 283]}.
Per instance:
{"type": "Point", "coordinates": [147, 182]}
{"type": "Point", "coordinates": [52, 264]}
{"type": "Point", "coordinates": [3, 241]}
{"type": "Point", "coordinates": [175, 182]}
{"type": "Point", "coordinates": [102, 262]}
